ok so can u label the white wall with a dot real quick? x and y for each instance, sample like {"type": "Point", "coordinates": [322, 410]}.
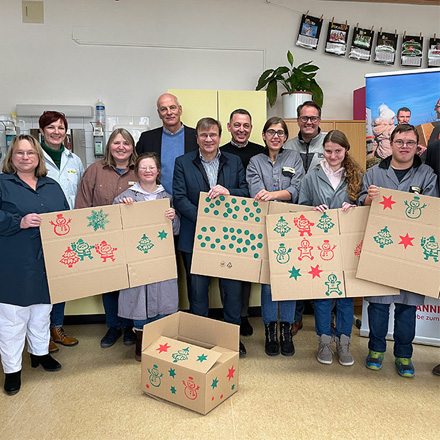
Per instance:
{"type": "Point", "coordinates": [128, 52]}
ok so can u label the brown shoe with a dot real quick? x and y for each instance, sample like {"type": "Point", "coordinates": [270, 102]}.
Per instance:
{"type": "Point", "coordinates": [436, 370]}
{"type": "Point", "coordinates": [296, 327]}
{"type": "Point", "coordinates": [53, 347]}
{"type": "Point", "coordinates": [59, 336]}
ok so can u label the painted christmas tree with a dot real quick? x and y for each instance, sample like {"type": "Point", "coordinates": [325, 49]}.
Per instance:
{"type": "Point", "coordinates": [325, 223]}
{"type": "Point", "coordinates": [145, 244]}
{"type": "Point", "coordinates": [383, 237]}
{"type": "Point", "coordinates": [69, 257]}
{"type": "Point", "coordinates": [282, 227]}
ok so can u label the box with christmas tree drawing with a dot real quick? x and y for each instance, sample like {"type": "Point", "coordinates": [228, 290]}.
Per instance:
{"type": "Point", "coordinates": [315, 255]}
{"type": "Point", "coordinates": [190, 360]}
{"type": "Point", "coordinates": [96, 250]}
{"type": "Point", "coordinates": [230, 240]}
{"type": "Point", "coordinates": [402, 242]}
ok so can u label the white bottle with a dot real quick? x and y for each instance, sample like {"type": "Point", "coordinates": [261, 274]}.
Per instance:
{"type": "Point", "coordinates": [100, 113]}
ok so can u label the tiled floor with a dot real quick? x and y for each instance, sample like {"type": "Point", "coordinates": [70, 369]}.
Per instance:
{"type": "Point", "coordinates": [97, 396]}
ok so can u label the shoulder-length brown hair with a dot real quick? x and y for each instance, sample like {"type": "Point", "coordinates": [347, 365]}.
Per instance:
{"type": "Point", "coordinates": [9, 167]}
{"type": "Point", "coordinates": [353, 172]}
{"type": "Point", "coordinates": [108, 158]}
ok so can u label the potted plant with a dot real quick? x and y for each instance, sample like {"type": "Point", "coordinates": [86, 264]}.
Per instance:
{"type": "Point", "coordinates": [300, 79]}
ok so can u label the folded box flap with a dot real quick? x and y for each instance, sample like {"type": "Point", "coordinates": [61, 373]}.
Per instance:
{"type": "Point", "coordinates": [183, 354]}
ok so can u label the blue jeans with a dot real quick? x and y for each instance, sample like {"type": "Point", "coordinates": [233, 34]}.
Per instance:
{"type": "Point", "coordinates": [198, 294]}
{"type": "Point", "coordinates": [404, 328]}
{"type": "Point", "coordinates": [269, 308]}
{"type": "Point", "coordinates": [57, 315]}
{"type": "Point", "coordinates": [110, 303]}
{"type": "Point", "coordinates": [139, 323]}
{"type": "Point", "coordinates": [344, 316]}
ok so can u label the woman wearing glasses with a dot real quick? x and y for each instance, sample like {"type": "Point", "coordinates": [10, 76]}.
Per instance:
{"type": "Point", "coordinates": [275, 176]}
{"type": "Point", "coordinates": [148, 303]}
{"type": "Point", "coordinates": [335, 182]}
{"type": "Point", "coordinates": [25, 193]}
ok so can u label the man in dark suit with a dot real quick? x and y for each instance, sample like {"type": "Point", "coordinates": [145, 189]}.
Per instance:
{"type": "Point", "coordinates": [240, 127]}
{"type": "Point", "coordinates": [169, 141]}
{"type": "Point", "coordinates": [210, 170]}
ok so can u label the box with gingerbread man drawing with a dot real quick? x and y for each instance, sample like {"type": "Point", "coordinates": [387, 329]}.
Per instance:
{"type": "Point", "coordinates": [315, 255]}
{"type": "Point", "coordinates": [102, 249]}
{"type": "Point", "coordinates": [190, 360]}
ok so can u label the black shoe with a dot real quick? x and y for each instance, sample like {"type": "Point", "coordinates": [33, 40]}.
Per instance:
{"type": "Point", "coordinates": [242, 350]}
{"type": "Point", "coordinates": [129, 337]}
{"type": "Point", "coordinates": [113, 333]}
{"type": "Point", "coordinates": [245, 327]}
{"type": "Point", "coordinates": [46, 361]}
{"type": "Point", "coordinates": [271, 347]}
{"type": "Point", "coordinates": [12, 383]}
{"type": "Point", "coordinates": [287, 348]}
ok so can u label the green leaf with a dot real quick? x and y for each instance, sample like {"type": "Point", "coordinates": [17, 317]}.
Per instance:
{"type": "Point", "coordinates": [290, 57]}
{"type": "Point", "coordinates": [272, 91]}
{"type": "Point", "coordinates": [310, 68]}
{"type": "Point", "coordinates": [264, 79]}
{"type": "Point", "coordinates": [318, 95]}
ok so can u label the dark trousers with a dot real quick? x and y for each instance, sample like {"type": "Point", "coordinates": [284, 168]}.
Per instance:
{"type": "Point", "coordinates": [198, 294]}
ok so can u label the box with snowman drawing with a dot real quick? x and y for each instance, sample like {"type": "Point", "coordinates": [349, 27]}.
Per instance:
{"type": "Point", "coordinates": [190, 360]}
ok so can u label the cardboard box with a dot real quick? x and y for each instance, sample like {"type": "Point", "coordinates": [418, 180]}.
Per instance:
{"type": "Point", "coordinates": [107, 248]}
{"type": "Point", "coordinates": [402, 242]}
{"type": "Point", "coordinates": [230, 240]}
{"type": "Point", "coordinates": [425, 131]}
{"type": "Point", "coordinates": [314, 255]}
{"type": "Point", "coordinates": [190, 360]}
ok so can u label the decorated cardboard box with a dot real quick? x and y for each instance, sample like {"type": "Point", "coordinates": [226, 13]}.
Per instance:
{"type": "Point", "coordinates": [230, 240]}
{"type": "Point", "coordinates": [315, 255]}
{"type": "Point", "coordinates": [402, 242]}
{"type": "Point", "coordinates": [190, 360]}
{"type": "Point", "coordinates": [106, 248]}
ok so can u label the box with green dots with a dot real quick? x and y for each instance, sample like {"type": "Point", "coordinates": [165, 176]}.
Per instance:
{"type": "Point", "coordinates": [230, 239]}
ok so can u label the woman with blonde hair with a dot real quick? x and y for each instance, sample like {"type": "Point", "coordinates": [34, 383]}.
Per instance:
{"type": "Point", "coordinates": [336, 182]}
{"type": "Point", "coordinates": [101, 183]}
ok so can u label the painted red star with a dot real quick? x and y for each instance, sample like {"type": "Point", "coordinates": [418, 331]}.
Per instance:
{"type": "Point", "coordinates": [163, 347]}
{"type": "Point", "coordinates": [231, 372]}
{"type": "Point", "coordinates": [315, 272]}
{"type": "Point", "coordinates": [406, 240]}
{"type": "Point", "coordinates": [387, 202]}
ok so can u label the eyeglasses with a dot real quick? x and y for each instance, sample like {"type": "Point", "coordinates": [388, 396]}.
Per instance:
{"type": "Point", "coordinates": [206, 135]}
{"type": "Point", "coordinates": [152, 168]}
{"type": "Point", "coordinates": [272, 133]}
{"type": "Point", "coordinates": [312, 119]}
{"type": "Point", "coordinates": [30, 154]}
{"type": "Point", "coordinates": [400, 143]}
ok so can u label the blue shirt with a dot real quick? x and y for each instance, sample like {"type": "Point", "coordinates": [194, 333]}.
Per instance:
{"type": "Point", "coordinates": [173, 146]}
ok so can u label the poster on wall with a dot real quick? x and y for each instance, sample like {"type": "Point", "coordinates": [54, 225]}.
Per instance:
{"type": "Point", "coordinates": [337, 37]}
{"type": "Point", "coordinates": [434, 52]}
{"type": "Point", "coordinates": [309, 31]}
{"type": "Point", "coordinates": [411, 54]}
{"type": "Point", "coordinates": [386, 47]}
{"type": "Point", "coordinates": [361, 43]}
{"type": "Point", "coordinates": [411, 96]}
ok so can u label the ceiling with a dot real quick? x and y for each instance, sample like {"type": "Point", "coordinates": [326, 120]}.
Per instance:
{"type": "Point", "coordinates": [408, 2]}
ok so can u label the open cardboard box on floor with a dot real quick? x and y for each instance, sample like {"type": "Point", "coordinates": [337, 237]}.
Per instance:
{"type": "Point", "coordinates": [402, 242]}
{"type": "Point", "coordinates": [106, 248]}
{"type": "Point", "coordinates": [314, 255]}
{"type": "Point", "coordinates": [190, 360]}
{"type": "Point", "coordinates": [230, 240]}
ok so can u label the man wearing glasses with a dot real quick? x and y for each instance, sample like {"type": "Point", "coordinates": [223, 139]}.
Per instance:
{"type": "Point", "coordinates": [309, 142]}
{"type": "Point", "coordinates": [210, 170]}
{"type": "Point", "coordinates": [310, 145]}
{"type": "Point", "coordinates": [402, 171]}
{"type": "Point", "coordinates": [170, 141]}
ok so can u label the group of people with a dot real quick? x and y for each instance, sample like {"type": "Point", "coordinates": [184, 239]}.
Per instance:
{"type": "Point", "coordinates": [179, 162]}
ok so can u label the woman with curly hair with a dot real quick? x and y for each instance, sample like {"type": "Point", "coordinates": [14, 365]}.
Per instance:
{"type": "Point", "coordinates": [335, 183]}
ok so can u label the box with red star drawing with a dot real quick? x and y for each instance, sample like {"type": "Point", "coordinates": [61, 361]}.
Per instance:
{"type": "Point", "coordinates": [95, 250]}
{"type": "Point", "coordinates": [315, 255]}
{"type": "Point", "coordinates": [402, 242]}
{"type": "Point", "coordinates": [190, 360]}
